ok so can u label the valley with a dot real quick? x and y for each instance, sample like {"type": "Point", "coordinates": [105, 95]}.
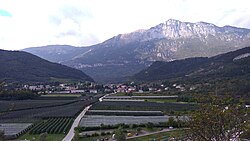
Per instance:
{"type": "Point", "coordinates": [126, 54]}
{"type": "Point", "coordinates": [174, 81]}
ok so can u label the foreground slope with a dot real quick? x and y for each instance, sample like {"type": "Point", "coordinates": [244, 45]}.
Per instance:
{"type": "Point", "coordinates": [19, 66]}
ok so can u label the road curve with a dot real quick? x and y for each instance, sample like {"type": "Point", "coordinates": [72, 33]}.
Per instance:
{"type": "Point", "coordinates": [71, 132]}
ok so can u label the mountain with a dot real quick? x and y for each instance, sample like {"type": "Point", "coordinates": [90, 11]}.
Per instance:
{"type": "Point", "coordinates": [228, 65]}
{"type": "Point", "coordinates": [127, 54]}
{"type": "Point", "coordinates": [57, 53]}
{"type": "Point", "coordinates": [19, 66]}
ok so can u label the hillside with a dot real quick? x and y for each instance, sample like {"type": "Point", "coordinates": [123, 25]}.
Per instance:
{"type": "Point", "coordinates": [19, 66]}
{"type": "Point", "coordinates": [232, 64]}
{"type": "Point", "coordinates": [57, 53]}
{"type": "Point", "coordinates": [127, 54]}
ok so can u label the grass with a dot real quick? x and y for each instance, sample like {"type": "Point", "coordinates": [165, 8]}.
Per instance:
{"type": "Point", "coordinates": [160, 136]}
{"type": "Point", "coordinates": [178, 133]}
{"type": "Point", "coordinates": [109, 136]}
{"type": "Point", "coordinates": [50, 137]}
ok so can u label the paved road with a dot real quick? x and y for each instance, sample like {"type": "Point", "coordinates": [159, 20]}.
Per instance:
{"type": "Point", "coordinates": [101, 99]}
{"type": "Point", "coordinates": [71, 132]}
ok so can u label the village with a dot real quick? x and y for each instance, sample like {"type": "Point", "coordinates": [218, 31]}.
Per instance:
{"type": "Point", "coordinates": [90, 87]}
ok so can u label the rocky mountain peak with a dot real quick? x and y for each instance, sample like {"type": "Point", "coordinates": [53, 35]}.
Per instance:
{"type": "Point", "coordinates": [174, 29]}
{"type": "Point", "coordinates": [172, 22]}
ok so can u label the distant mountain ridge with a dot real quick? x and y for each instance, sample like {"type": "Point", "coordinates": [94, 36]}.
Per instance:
{"type": "Point", "coordinates": [231, 64]}
{"type": "Point", "coordinates": [57, 53]}
{"type": "Point", "coordinates": [23, 67]}
{"type": "Point", "coordinates": [127, 54]}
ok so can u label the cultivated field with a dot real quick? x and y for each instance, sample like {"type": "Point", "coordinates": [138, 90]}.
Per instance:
{"type": "Point", "coordinates": [13, 130]}
{"type": "Point", "coordinates": [67, 110]}
{"type": "Point", "coordinates": [97, 120]}
{"type": "Point", "coordinates": [124, 113]}
{"type": "Point", "coordinates": [52, 126]}
{"type": "Point", "coordinates": [51, 114]}
{"type": "Point", "coordinates": [142, 106]}
{"type": "Point", "coordinates": [34, 110]}
{"type": "Point", "coordinates": [30, 104]}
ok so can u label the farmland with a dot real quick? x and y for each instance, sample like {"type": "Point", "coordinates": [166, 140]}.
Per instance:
{"type": "Point", "coordinates": [30, 104]}
{"type": "Point", "coordinates": [143, 106]}
{"type": "Point", "coordinates": [143, 97]}
{"type": "Point", "coordinates": [65, 110]}
{"type": "Point", "coordinates": [97, 120]}
{"type": "Point", "coordinates": [127, 110]}
{"type": "Point", "coordinates": [124, 113]}
{"type": "Point", "coordinates": [12, 130]}
{"type": "Point", "coordinates": [52, 126]}
{"type": "Point", "coordinates": [51, 114]}
{"type": "Point", "coordinates": [141, 94]}
{"type": "Point", "coordinates": [33, 110]}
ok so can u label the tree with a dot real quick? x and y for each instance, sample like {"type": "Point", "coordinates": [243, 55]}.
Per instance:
{"type": "Point", "coordinates": [219, 120]}
{"type": "Point", "coordinates": [2, 135]}
{"type": "Point", "coordinates": [172, 122]}
{"type": "Point", "coordinates": [149, 125]}
{"type": "Point", "coordinates": [138, 129]}
{"type": "Point", "coordinates": [119, 134]}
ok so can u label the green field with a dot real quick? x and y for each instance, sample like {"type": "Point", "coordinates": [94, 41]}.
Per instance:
{"type": "Point", "coordinates": [94, 138]}
{"type": "Point", "coordinates": [161, 136]}
{"type": "Point", "coordinates": [50, 137]}
{"type": "Point", "coordinates": [178, 133]}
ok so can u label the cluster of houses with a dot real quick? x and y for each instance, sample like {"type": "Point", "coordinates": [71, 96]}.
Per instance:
{"type": "Point", "coordinates": [63, 88]}
{"type": "Point", "coordinates": [96, 88]}
{"type": "Point", "coordinates": [127, 88]}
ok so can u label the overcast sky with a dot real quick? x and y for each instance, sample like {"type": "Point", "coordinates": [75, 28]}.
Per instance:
{"type": "Point", "coordinates": [30, 23]}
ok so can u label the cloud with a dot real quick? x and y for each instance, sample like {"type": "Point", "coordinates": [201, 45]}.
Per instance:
{"type": "Point", "coordinates": [5, 13]}
{"type": "Point", "coordinates": [88, 22]}
{"type": "Point", "coordinates": [69, 12]}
